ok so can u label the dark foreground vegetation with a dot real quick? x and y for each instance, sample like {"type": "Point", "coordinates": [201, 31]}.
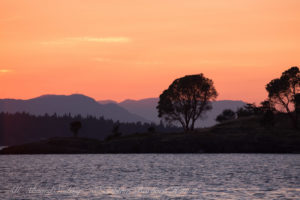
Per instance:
{"type": "Point", "coordinates": [244, 135]}
{"type": "Point", "coordinates": [20, 128]}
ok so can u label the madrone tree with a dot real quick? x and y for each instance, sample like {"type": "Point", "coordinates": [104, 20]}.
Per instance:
{"type": "Point", "coordinates": [282, 92]}
{"type": "Point", "coordinates": [186, 100]}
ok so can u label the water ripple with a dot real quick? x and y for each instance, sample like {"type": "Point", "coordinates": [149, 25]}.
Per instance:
{"type": "Point", "coordinates": [150, 176]}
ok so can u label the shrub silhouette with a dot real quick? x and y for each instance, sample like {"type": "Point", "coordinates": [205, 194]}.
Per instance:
{"type": "Point", "coordinates": [226, 115]}
{"type": "Point", "coordinates": [116, 130]}
{"type": "Point", "coordinates": [74, 127]}
{"type": "Point", "coordinates": [248, 110]}
{"type": "Point", "coordinates": [151, 129]}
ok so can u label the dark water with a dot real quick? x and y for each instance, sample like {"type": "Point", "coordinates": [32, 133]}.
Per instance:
{"type": "Point", "coordinates": [150, 176]}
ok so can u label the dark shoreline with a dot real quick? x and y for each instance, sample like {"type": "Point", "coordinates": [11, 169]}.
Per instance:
{"type": "Point", "coordinates": [157, 144]}
{"type": "Point", "coordinates": [236, 136]}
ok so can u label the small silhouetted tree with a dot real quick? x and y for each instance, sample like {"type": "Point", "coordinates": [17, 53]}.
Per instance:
{"type": "Point", "coordinates": [116, 130]}
{"type": "Point", "coordinates": [226, 115]}
{"type": "Point", "coordinates": [186, 100]}
{"type": "Point", "coordinates": [282, 92]}
{"type": "Point", "coordinates": [151, 129]}
{"type": "Point", "coordinates": [75, 126]}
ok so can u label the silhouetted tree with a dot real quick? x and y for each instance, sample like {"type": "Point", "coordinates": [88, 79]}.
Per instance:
{"type": "Point", "coordinates": [116, 130]}
{"type": "Point", "coordinates": [297, 107]}
{"type": "Point", "coordinates": [297, 103]}
{"type": "Point", "coordinates": [267, 110]}
{"type": "Point", "coordinates": [246, 111]}
{"type": "Point", "coordinates": [151, 129]}
{"type": "Point", "coordinates": [187, 99]}
{"type": "Point", "coordinates": [226, 115]}
{"type": "Point", "coordinates": [282, 92]}
{"type": "Point", "coordinates": [250, 109]}
{"type": "Point", "coordinates": [266, 106]}
{"type": "Point", "coordinates": [74, 127]}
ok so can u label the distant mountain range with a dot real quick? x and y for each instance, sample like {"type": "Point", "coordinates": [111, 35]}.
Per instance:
{"type": "Point", "coordinates": [143, 110]}
{"type": "Point", "coordinates": [146, 108]}
{"type": "Point", "coordinates": [74, 104]}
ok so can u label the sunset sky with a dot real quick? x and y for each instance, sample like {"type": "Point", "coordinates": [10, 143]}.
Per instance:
{"type": "Point", "coordinates": [119, 49]}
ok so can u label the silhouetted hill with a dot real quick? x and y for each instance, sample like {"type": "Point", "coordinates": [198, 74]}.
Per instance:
{"type": "Point", "coordinates": [147, 109]}
{"type": "Point", "coordinates": [74, 104]}
{"type": "Point", "coordinates": [107, 101]}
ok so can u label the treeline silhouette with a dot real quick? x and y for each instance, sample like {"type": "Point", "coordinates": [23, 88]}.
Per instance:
{"type": "Point", "coordinates": [283, 100]}
{"type": "Point", "coordinates": [19, 128]}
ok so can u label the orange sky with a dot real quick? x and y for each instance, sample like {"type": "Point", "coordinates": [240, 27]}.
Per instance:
{"type": "Point", "coordinates": [121, 49]}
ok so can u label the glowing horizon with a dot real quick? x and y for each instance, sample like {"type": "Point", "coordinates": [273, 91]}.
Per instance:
{"type": "Point", "coordinates": [135, 49]}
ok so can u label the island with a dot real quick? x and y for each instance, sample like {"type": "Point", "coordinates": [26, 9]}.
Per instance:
{"type": "Point", "coordinates": [245, 135]}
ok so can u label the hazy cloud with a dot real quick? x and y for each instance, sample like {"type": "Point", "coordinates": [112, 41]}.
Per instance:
{"type": "Point", "coordinates": [102, 59]}
{"type": "Point", "coordinates": [5, 70]}
{"type": "Point", "coordinates": [101, 39]}
{"type": "Point", "coordinates": [72, 40]}
{"type": "Point", "coordinates": [131, 62]}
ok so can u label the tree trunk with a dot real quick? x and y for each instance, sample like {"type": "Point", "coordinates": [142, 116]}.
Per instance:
{"type": "Point", "coordinates": [294, 119]}
{"type": "Point", "coordinates": [75, 134]}
{"type": "Point", "coordinates": [193, 125]}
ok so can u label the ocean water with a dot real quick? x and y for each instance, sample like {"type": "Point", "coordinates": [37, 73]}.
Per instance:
{"type": "Point", "coordinates": [150, 176]}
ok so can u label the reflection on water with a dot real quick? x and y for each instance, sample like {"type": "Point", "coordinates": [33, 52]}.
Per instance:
{"type": "Point", "coordinates": [2, 147]}
{"type": "Point", "coordinates": [153, 176]}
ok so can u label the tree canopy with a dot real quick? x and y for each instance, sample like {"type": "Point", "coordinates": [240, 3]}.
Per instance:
{"type": "Point", "coordinates": [282, 91]}
{"type": "Point", "coordinates": [226, 115]}
{"type": "Point", "coordinates": [186, 100]}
